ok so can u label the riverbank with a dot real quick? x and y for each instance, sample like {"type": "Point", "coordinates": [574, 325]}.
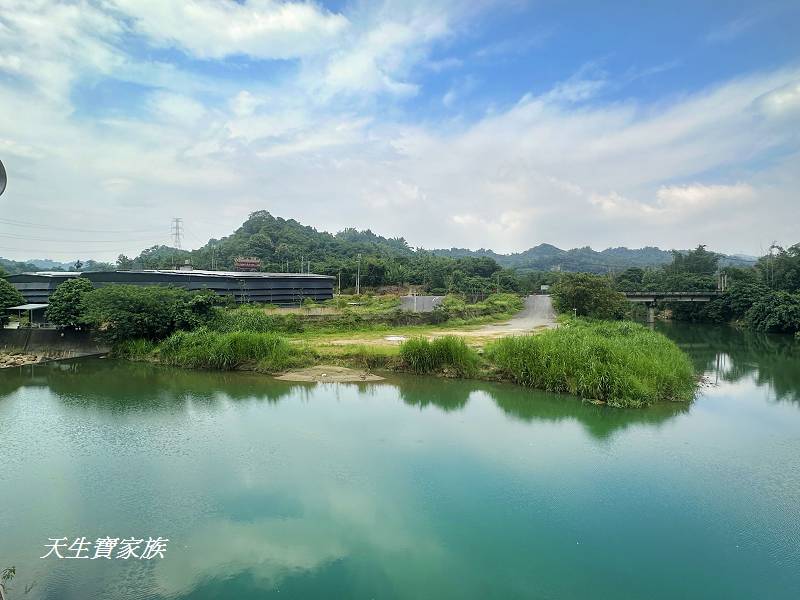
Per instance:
{"type": "Point", "coordinates": [18, 359]}
{"type": "Point", "coordinates": [620, 364]}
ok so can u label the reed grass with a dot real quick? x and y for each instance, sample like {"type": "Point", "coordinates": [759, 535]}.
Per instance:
{"type": "Point", "coordinates": [621, 363]}
{"type": "Point", "coordinates": [206, 349]}
{"type": "Point", "coordinates": [445, 353]}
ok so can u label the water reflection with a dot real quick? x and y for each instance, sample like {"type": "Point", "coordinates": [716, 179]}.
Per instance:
{"type": "Point", "coordinates": [120, 387]}
{"type": "Point", "coordinates": [414, 487]}
{"type": "Point", "coordinates": [732, 355]}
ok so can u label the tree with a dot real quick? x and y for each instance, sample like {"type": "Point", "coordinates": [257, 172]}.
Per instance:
{"type": "Point", "coordinates": [589, 295]}
{"type": "Point", "coordinates": [65, 308]}
{"type": "Point", "coordinates": [698, 261]}
{"type": "Point", "coordinates": [124, 263]}
{"type": "Point", "coordinates": [781, 271]}
{"type": "Point", "coordinates": [127, 312]}
{"type": "Point", "coordinates": [777, 312]}
{"type": "Point", "coordinates": [630, 280]}
{"type": "Point", "coordinates": [78, 265]}
{"type": "Point", "coordinates": [9, 296]}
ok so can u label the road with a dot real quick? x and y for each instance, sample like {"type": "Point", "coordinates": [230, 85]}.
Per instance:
{"type": "Point", "coordinates": [538, 313]}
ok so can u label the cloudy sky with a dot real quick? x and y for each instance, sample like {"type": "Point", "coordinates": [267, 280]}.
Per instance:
{"type": "Point", "coordinates": [487, 123]}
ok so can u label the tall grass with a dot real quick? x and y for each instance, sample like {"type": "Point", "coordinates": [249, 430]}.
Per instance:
{"type": "Point", "coordinates": [621, 363]}
{"type": "Point", "coordinates": [255, 319]}
{"type": "Point", "coordinates": [134, 349]}
{"type": "Point", "coordinates": [206, 349]}
{"type": "Point", "coordinates": [423, 356]}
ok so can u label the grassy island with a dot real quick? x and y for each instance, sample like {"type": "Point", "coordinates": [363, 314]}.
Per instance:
{"type": "Point", "coordinates": [621, 363]}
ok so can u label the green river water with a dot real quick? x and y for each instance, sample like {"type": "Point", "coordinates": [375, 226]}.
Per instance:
{"type": "Point", "coordinates": [412, 488]}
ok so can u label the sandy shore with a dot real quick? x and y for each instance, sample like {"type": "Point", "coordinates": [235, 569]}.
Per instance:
{"type": "Point", "coordinates": [330, 374]}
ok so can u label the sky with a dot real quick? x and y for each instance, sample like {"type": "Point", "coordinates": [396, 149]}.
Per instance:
{"type": "Point", "coordinates": [499, 124]}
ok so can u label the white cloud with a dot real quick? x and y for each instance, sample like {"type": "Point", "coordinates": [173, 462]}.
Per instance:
{"type": "Point", "coordinates": [264, 29]}
{"type": "Point", "coordinates": [780, 102]}
{"type": "Point", "coordinates": [176, 108]}
{"type": "Point", "coordinates": [675, 202]}
{"type": "Point", "coordinates": [319, 146]}
{"type": "Point", "coordinates": [731, 30]}
{"type": "Point", "coordinates": [244, 104]}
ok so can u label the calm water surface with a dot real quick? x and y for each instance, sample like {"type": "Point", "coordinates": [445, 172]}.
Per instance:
{"type": "Point", "coordinates": [414, 488]}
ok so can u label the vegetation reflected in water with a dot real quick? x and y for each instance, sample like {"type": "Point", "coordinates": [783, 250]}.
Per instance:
{"type": "Point", "coordinates": [416, 487]}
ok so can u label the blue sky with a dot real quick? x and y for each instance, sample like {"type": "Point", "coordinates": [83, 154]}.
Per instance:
{"type": "Point", "coordinates": [490, 123]}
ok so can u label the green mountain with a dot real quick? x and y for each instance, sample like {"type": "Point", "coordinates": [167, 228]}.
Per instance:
{"type": "Point", "coordinates": [284, 244]}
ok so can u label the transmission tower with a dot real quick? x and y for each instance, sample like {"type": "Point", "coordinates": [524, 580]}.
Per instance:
{"type": "Point", "coordinates": [177, 232]}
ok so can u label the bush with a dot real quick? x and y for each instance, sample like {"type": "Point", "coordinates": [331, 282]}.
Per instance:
{"type": "Point", "coordinates": [623, 364]}
{"type": "Point", "coordinates": [65, 303]}
{"type": "Point", "coordinates": [589, 295]}
{"type": "Point", "coordinates": [9, 296]}
{"type": "Point", "coordinates": [449, 352]}
{"type": "Point", "coordinates": [208, 349]}
{"type": "Point", "coordinates": [127, 312]}
{"type": "Point", "coordinates": [777, 312]}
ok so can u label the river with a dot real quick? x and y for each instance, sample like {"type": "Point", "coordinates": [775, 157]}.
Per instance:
{"type": "Point", "coordinates": [412, 488]}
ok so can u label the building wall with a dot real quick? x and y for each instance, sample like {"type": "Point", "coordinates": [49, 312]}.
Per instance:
{"type": "Point", "coordinates": [277, 289]}
{"type": "Point", "coordinates": [36, 289]}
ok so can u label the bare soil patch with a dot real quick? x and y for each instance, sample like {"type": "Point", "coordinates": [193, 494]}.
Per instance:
{"type": "Point", "coordinates": [329, 374]}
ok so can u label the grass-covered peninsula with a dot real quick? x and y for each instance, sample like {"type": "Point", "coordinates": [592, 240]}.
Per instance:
{"type": "Point", "coordinates": [620, 364]}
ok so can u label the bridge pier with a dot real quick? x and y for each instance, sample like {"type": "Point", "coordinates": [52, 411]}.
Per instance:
{"type": "Point", "coordinates": [651, 313]}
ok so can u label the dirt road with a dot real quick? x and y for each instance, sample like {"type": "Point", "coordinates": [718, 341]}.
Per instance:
{"type": "Point", "coordinates": [538, 313]}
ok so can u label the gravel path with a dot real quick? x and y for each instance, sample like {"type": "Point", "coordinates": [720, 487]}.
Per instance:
{"type": "Point", "coordinates": [538, 313]}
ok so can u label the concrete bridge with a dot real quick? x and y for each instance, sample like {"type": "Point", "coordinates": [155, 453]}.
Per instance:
{"type": "Point", "coordinates": [650, 298]}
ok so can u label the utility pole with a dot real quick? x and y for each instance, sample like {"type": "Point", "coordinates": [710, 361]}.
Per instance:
{"type": "Point", "coordinates": [340, 283]}
{"type": "Point", "coordinates": [177, 232]}
{"type": "Point", "coordinates": [358, 276]}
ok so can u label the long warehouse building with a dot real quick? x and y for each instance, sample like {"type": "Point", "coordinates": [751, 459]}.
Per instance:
{"type": "Point", "coordinates": [283, 289]}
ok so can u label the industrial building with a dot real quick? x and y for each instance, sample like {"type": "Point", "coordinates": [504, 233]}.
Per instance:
{"type": "Point", "coordinates": [37, 287]}
{"type": "Point", "coordinates": [283, 289]}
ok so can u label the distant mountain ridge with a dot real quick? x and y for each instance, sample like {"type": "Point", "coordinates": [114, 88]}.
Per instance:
{"type": "Point", "coordinates": [546, 257]}
{"type": "Point", "coordinates": [280, 243]}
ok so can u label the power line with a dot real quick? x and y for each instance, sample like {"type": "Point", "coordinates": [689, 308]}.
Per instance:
{"type": "Point", "coordinates": [61, 241]}
{"type": "Point", "coordinates": [28, 224]}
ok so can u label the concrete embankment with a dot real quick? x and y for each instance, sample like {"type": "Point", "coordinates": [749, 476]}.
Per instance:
{"type": "Point", "coordinates": [33, 344]}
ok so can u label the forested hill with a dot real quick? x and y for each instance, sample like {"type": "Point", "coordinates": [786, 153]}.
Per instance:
{"type": "Point", "coordinates": [282, 244]}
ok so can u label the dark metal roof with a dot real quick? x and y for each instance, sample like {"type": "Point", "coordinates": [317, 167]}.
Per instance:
{"type": "Point", "coordinates": [50, 274]}
{"type": "Point", "coordinates": [242, 274]}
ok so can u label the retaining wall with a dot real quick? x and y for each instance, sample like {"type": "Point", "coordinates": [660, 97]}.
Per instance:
{"type": "Point", "coordinates": [50, 342]}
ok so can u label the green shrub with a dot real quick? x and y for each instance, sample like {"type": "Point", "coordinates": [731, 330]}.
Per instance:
{"type": "Point", "coordinates": [65, 303]}
{"type": "Point", "coordinates": [203, 348]}
{"type": "Point", "coordinates": [621, 363]}
{"type": "Point", "coordinates": [9, 296]}
{"type": "Point", "coordinates": [589, 296]}
{"type": "Point", "coordinates": [777, 312]}
{"type": "Point", "coordinates": [423, 356]}
{"type": "Point", "coordinates": [127, 312]}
